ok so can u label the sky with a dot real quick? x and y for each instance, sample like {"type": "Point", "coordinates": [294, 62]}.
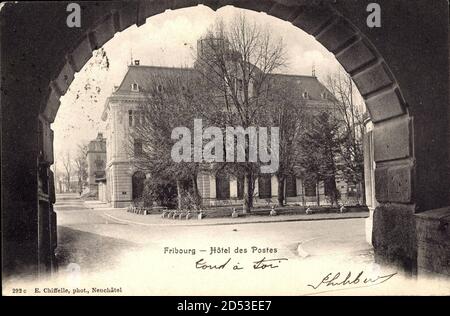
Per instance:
{"type": "Point", "coordinates": [167, 39]}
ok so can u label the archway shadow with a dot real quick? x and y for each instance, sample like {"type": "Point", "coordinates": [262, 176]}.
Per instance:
{"type": "Point", "coordinates": [92, 252]}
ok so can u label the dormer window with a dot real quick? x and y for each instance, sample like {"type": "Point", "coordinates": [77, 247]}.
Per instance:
{"type": "Point", "coordinates": [159, 88]}
{"type": "Point", "coordinates": [134, 87]}
{"type": "Point", "coordinates": [305, 95]}
{"type": "Point", "coordinates": [324, 95]}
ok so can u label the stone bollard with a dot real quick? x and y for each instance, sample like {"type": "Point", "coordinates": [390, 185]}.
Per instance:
{"type": "Point", "coordinates": [163, 214]}
{"type": "Point", "coordinates": [174, 214]}
{"type": "Point", "coordinates": [309, 211]}
{"type": "Point", "coordinates": [273, 212]}
{"type": "Point", "coordinates": [234, 214]}
{"type": "Point", "coordinates": [200, 215]}
{"type": "Point", "coordinates": [342, 209]}
{"type": "Point", "coordinates": [188, 214]}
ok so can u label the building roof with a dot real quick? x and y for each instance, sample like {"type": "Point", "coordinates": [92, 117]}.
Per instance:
{"type": "Point", "coordinates": [97, 145]}
{"type": "Point", "coordinates": [145, 77]}
{"type": "Point", "coordinates": [309, 84]}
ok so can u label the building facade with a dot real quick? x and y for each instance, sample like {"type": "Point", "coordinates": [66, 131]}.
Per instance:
{"type": "Point", "coordinates": [125, 184]}
{"type": "Point", "coordinates": [96, 162]}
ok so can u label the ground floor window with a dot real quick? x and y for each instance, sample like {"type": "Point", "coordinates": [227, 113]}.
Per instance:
{"type": "Point", "coordinates": [310, 187]}
{"type": "Point", "coordinates": [222, 187]}
{"type": "Point", "coordinates": [240, 187]}
{"type": "Point", "coordinates": [138, 184]}
{"type": "Point", "coordinates": [265, 187]}
{"type": "Point", "coordinates": [291, 186]}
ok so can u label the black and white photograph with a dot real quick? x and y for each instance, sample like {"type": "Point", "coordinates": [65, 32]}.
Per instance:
{"type": "Point", "coordinates": [225, 148]}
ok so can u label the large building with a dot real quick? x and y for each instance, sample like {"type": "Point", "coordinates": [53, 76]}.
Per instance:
{"type": "Point", "coordinates": [125, 183]}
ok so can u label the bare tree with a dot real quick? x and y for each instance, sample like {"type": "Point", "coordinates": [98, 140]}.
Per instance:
{"type": "Point", "coordinates": [81, 165]}
{"type": "Point", "coordinates": [350, 114]}
{"type": "Point", "coordinates": [286, 110]}
{"type": "Point", "coordinates": [167, 105]}
{"type": "Point", "coordinates": [67, 164]}
{"type": "Point", "coordinates": [319, 150]}
{"type": "Point", "coordinates": [235, 62]}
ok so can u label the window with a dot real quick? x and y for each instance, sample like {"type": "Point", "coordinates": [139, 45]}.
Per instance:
{"type": "Point", "coordinates": [130, 118]}
{"type": "Point", "coordinates": [324, 95]}
{"type": "Point", "coordinates": [265, 186]}
{"type": "Point", "coordinates": [222, 187]}
{"type": "Point", "coordinates": [305, 95]}
{"type": "Point", "coordinates": [159, 88]}
{"type": "Point", "coordinates": [310, 188]}
{"type": "Point", "coordinates": [351, 190]}
{"type": "Point", "coordinates": [134, 87]}
{"type": "Point", "coordinates": [291, 186]}
{"type": "Point", "coordinates": [329, 186]}
{"type": "Point", "coordinates": [137, 181]}
{"type": "Point", "coordinates": [137, 117]}
{"type": "Point", "coordinates": [240, 187]}
{"type": "Point", "coordinates": [137, 147]}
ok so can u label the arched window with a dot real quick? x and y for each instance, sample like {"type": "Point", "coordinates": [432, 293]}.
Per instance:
{"type": "Point", "coordinates": [305, 95]}
{"type": "Point", "coordinates": [138, 179]}
{"type": "Point", "coordinates": [134, 87]}
{"type": "Point", "coordinates": [240, 187]}
{"type": "Point", "coordinates": [265, 187]}
{"type": "Point", "coordinates": [222, 186]}
{"type": "Point", "coordinates": [291, 186]}
{"type": "Point", "coordinates": [310, 188]}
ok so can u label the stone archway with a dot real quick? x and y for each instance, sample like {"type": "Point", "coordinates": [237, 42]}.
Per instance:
{"type": "Point", "coordinates": [409, 177]}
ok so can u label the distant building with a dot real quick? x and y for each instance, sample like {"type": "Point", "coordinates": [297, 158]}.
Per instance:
{"type": "Point", "coordinates": [96, 161]}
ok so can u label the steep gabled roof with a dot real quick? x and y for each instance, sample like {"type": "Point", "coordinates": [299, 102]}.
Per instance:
{"type": "Point", "coordinates": [145, 76]}
{"type": "Point", "coordinates": [309, 84]}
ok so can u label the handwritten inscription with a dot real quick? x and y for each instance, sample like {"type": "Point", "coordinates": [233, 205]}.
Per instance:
{"type": "Point", "coordinates": [262, 264]}
{"type": "Point", "coordinates": [337, 280]}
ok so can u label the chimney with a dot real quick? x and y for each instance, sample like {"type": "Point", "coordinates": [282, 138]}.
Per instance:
{"type": "Point", "coordinates": [136, 62]}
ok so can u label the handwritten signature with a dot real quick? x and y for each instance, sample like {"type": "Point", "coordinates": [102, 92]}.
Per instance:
{"type": "Point", "coordinates": [257, 265]}
{"type": "Point", "coordinates": [336, 280]}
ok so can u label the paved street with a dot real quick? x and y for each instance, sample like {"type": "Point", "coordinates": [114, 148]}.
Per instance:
{"type": "Point", "coordinates": [82, 231]}
{"type": "Point", "coordinates": [96, 249]}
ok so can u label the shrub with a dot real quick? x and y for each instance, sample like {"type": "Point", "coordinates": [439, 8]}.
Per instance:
{"type": "Point", "coordinates": [160, 193]}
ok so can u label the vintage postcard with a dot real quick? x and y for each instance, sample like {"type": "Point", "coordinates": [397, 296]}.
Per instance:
{"type": "Point", "coordinates": [225, 148]}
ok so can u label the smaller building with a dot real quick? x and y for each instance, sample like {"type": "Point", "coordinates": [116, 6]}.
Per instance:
{"type": "Point", "coordinates": [96, 161]}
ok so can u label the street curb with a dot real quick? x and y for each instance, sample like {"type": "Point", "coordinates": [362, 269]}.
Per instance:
{"type": "Point", "coordinates": [233, 223]}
